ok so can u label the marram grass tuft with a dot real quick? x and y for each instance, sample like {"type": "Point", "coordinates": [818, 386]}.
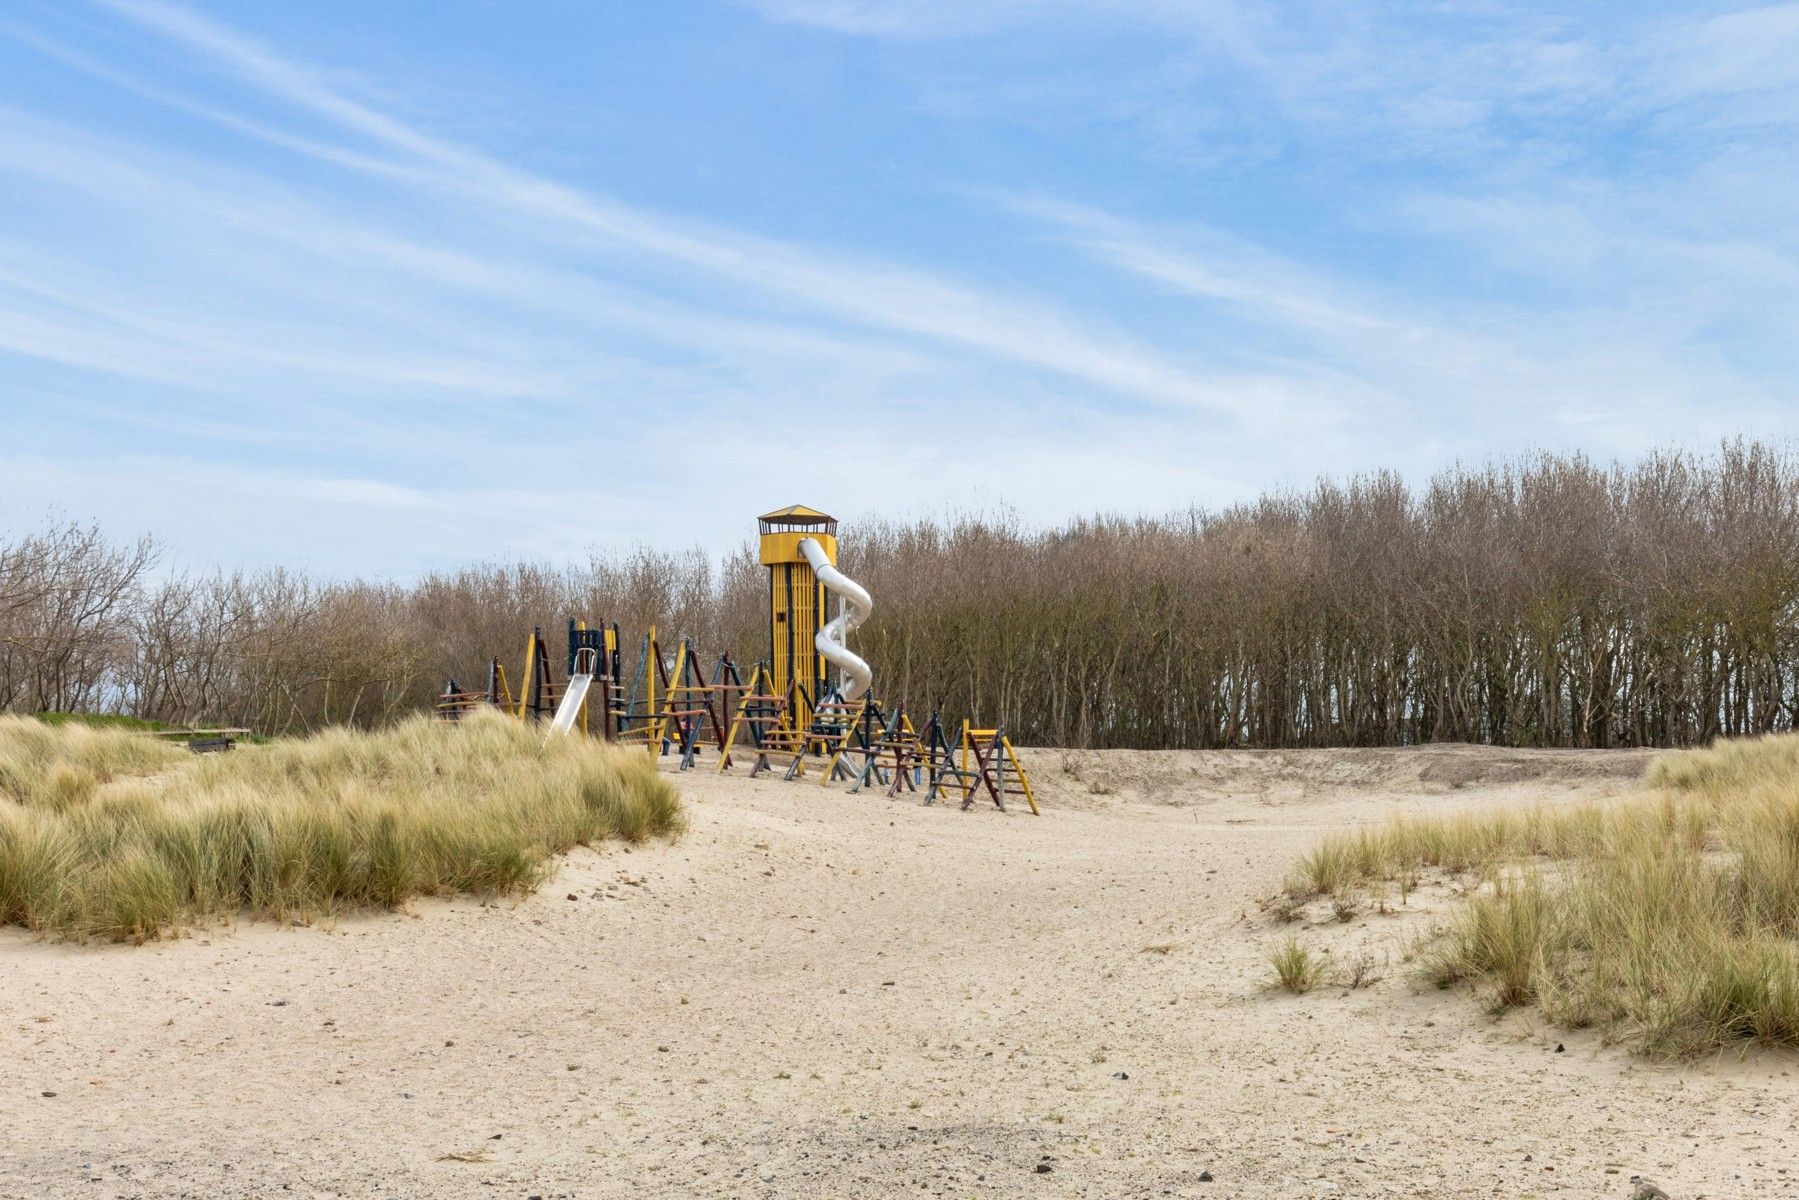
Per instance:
{"type": "Point", "coordinates": [1670, 922]}
{"type": "Point", "coordinates": [109, 834]}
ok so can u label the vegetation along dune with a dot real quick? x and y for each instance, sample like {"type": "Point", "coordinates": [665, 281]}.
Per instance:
{"type": "Point", "coordinates": [852, 599]}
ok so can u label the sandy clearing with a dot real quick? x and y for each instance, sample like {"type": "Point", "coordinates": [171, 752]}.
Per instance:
{"type": "Point", "coordinates": [814, 994]}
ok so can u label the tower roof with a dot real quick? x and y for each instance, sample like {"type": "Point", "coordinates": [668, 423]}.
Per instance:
{"type": "Point", "coordinates": [797, 514]}
{"type": "Point", "coordinates": [796, 519]}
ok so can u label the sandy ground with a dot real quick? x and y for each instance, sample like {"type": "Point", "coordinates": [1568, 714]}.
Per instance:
{"type": "Point", "coordinates": [820, 995]}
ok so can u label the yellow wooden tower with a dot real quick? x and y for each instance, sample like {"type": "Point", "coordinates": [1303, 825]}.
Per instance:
{"type": "Point", "coordinates": [796, 603]}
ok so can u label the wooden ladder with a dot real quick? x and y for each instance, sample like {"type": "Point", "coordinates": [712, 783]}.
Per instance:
{"type": "Point", "coordinates": [996, 768]}
{"type": "Point", "coordinates": [834, 723]}
{"type": "Point", "coordinates": [896, 757]}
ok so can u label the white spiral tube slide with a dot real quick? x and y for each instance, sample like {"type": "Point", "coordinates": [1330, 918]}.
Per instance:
{"type": "Point", "coordinates": [832, 638]}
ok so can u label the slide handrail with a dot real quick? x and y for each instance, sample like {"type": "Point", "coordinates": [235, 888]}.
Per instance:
{"type": "Point", "coordinates": [832, 638]}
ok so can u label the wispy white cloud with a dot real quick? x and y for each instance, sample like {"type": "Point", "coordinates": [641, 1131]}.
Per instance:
{"type": "Point", "coordinates": [1637, 361]}
{"type": "Point", "coordinates": [1215, 266]}
{"type": "Point", "coordinates": [216, 199]}
{"type": "Point", "coordinates": [87, 64]}
{"type": "Point", "coordinates": [321, 517]}
{"type": "Point", "coordinates": [878, 295]}
{"type": "Point", "coordinates": [377, 321]}
{"type": "Point", "coordinates": [342, 329]}
{"type": "Point", "coordinates": [1592, 188]}
{"type": "Point", "coordinates": [215, 351]}
{"type": "Point", "coordinates": [1751, 50]}
{"type": "Point", "coordinates": [1465, 83]}
{"type": "Point", "coordinates": [918, 18]}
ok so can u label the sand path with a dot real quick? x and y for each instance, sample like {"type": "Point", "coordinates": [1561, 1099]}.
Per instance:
{"type": "Point", "coordinates": [820, 995]}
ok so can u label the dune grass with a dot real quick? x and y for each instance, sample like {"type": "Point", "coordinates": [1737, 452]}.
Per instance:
{"type": "Point", "coordinates": [1672, 922]}
{"type": "Point", "coordinates": [1296, 969]}
{"type": "Point", "coordinates": [112, 835]}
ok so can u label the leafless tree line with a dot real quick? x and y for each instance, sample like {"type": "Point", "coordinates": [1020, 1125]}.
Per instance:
{"type": "Point", "coordinates": [62, 592]}
{"type": "Point", "coordinates": [1549, 602]}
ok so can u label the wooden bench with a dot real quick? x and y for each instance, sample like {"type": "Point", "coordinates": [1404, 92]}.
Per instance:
{"type": "Point", "coordinates": [204, 741]}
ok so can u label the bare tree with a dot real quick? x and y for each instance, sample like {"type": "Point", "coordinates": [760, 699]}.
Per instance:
{"type": "Point", "coordinates": [1548, 601]}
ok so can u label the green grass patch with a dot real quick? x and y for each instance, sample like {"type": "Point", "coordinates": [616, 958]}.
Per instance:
{"type": "Point", "coordinates": [100, 721]}
{"type": "Point", "coordinates": [144, 725]}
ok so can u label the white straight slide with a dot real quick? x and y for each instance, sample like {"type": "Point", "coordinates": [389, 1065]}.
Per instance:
{"type": "Point", "coordinates": [569, 707]}
{"type": "Point", "coordinates": [830, 640]}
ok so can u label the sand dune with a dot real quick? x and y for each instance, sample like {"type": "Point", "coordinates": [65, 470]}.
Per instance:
{"type": "Point", "coordinates": [1199, 777]}
{"type": "Point", "coordinates": [820, 995]}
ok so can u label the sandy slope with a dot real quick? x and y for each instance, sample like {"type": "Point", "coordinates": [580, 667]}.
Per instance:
{"type": "Point", "coordinates": [815, 994]}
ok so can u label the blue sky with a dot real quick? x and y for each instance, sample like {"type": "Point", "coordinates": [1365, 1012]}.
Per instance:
{"type": "Point", "coordinates": [378, 288]}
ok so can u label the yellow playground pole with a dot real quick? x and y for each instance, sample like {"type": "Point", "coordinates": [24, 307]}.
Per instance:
{"type": "Point", "coordinates": [598, 669]}
{"type": "Point", "coordinates": [524, 690]}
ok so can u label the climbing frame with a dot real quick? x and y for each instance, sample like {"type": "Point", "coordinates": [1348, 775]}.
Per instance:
{"type": "Point", "coordinates": [997, 769]}
{"type": "Point", "coordinates": [833, 730]}
{"type": "Point", "coordinates": [762, 723]}
{"type": "Point", "coordinates": [895, 757]}
{"type": "Point", "coordinates": [688, 708]}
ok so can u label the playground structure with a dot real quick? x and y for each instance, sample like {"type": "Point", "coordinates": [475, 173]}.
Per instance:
{"type": "Point", "coordinates": [788, 717]}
